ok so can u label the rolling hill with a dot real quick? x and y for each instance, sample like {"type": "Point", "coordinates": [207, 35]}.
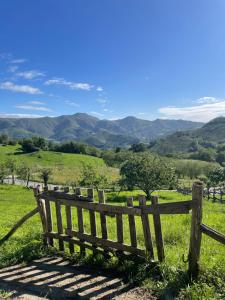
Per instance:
{"type": "Point", "coordinates": [212, 133]}
{"type": "Point", "coordinates": [89, 129]}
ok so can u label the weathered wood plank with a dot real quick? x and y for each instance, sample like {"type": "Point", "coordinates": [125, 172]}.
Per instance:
{"type": "Point", "coordinates": [49, 220]}
{"type": "Point", "coordinates": [158, 232]}
{"type": "Point", "coordinates": [99, 207]}
{"type": "Point", "coordinates": [63, 195]}
{"type": "Point", "coordinates": [101, 197]}
{"type": "Point", "coordinates": [196, 234]}
{"type": "Point", "coordinates": [59, 224]}
{"type": "Point", "coordinates": [107, 244]}
{"type": "Point", "coordinates": [181, 207]}
{"type": "Point", "coordinates": [69, 225]}
{"type": "Point", "coordinates": [80, 222]}
{"type": "Point", "coordinates": [146, 227]}
{"type": "Point", "coordinates": [90, 193]}
{"type": "Point", "coordinates": [132, 224]}
{"type": "Point", "coordinates": [219, 237]}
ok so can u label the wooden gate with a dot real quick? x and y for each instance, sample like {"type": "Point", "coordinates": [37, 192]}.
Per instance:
{"type": "Point", "coordinates": [66, 233]}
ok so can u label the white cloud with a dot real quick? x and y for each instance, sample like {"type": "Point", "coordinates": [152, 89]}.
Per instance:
{"type": "Point", "coordinates": [30, 74]}
{"type": "Point", "coordinates": [18, 61]}
{"type": "Point", "coordinates": [3, 115]}
{"type": "Point", "coordinates": [202, 112]}
{"type": "Point", "coordinates": [99, 89]}
{"type": "Point", "coordinates": [96, 113]}
{"type": "Point", "coordinates": [36, 102]}
{"type": "Point", "coordinates": [70, 84]}
{"type": "Point", "coordinates": [19, 88]}
{"type": "Point", "coordinates": [71, 103]}
{"type": "Point", "coordinates": [205, 100]}
{"type": "Point", "coordinates": [33, 107]}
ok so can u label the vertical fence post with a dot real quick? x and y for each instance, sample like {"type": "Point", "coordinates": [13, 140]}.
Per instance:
{"type": "Point", "coordinates": [42, 211]}
{"type": "Point", "coordinates": [158, 232]}
{"type": "Point", "coordinates": [146, 228]}
{"type": "Point", "coordinates": [195, 240]}
{"type": "Point", "coordinates": [80, 222]}
{"type": "Point", "coordinates": [90, 193]}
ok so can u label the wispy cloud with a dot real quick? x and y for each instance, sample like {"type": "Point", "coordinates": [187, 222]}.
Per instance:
{"type": "Point", "coordinates": [18, 61]}
{"type": "Point", "coordinates": [72, 85]}
{"type": "Point", "coordinates": [10, 86]}
{"type": "Point", "coordinates": [71, 103]}
{"type": "Point", "coordinates": [5, 115]}
{"type": "Point", "coordinates": [33, 107]}
{"type": "Point", "coordinates": [208, 109]}
{"type": "Point", "coordinates": [207, 100]}
{"type": "Point", "coordinates": [30, 74]}
{"type": "Point", "coordinates": [99, 89]}
{"type": "Point", "coordinates": [102, 101]}
{"type": "Point", "coordinates": [37, 102]}
{"type": "Point", "coordinates": [96, 113]}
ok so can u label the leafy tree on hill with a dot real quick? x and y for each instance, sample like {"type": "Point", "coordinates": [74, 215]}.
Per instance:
{"type": "Point", "coordinates": [147, 172]}
{"type": "Point", "coordinates": [25, 172]}
{"type": "Point", "coordinates": [45, 174]}
{"type": "Point", "coordinates": [138, 147]}
{"type": "Point", "coordinates": [11, 165]}
{"type": "Point", "coordinates": [3, 172]}
{"type": "Point", "coordinates": [4, 139]}
{"type": "Point", "coordinates": [92, 177]}
{"type": "Point", "coordinates": [33, 144]}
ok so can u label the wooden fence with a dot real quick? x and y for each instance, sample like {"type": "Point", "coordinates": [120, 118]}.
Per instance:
{"type": "Point", "coordinates": [100, 242]}
{"type": "Point", "coordinates": [95, 241]}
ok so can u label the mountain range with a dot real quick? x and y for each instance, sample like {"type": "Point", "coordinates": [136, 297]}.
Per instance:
{"type": "Point", "coordinates": [209, 135]}
{"type": "Point", "coordinates": [100, 133]}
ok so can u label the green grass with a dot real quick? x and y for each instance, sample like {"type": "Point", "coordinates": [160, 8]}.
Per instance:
{"type": "Point", "coordinates": [66, 167]}
{"type": "Point", "coordinates": [166, 279]}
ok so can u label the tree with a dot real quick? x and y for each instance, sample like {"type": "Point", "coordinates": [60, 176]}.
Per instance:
{"type": "Point", "coordinates": [93, 177]}
{"type": "Point", "coordinates": [3, 172]}
{"type": "Point", "coordinates": [45, 174]}
{"type": "Point", "coordinates": [147, 172]}
{"type": "Point", "coordinates": [11, 165]}
{"type": "Point", "coordinates": [25, 172]}
{"type": "Point", "coordinates": [216, 177]}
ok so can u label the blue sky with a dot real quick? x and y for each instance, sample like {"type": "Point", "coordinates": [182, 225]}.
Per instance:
{"type": "Point", "coordinates": [113, 58]}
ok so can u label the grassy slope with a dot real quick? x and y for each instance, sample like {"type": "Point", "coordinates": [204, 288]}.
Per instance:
{"type": "Point", "coordinates": [66, 167]}
{"type": "Point", "coordinates": [25, 244]}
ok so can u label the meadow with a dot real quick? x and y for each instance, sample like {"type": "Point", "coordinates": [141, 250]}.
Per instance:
{"type": "Point", "coordinates": [66, 167]}
{"type": "Point", "coordinates": [170, 279]}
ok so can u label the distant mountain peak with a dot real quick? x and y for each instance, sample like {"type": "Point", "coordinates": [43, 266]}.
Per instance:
{"type": "Point", "coordinates": [90, 129]}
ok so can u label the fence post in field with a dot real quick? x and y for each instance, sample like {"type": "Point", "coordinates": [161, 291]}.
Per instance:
{"type": "Point", "coordinates": [158, 232]}
{"type": "Point", "coordinates": [195, 240]}
{"type": "Point", "coordinates": [42, 212]}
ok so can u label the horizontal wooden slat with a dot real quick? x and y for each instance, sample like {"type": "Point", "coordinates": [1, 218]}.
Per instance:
{"type": "Point", "coordinates": [105, 243]}
{"type": "Point", "coordinates": [62, 195]}
{"type": "Point", "coordinates": [219, 237]}
{"type": "Point", "coordinates": [99, 207]}
{"type": "Point", "coordinates": [108, 247]}
{"type": "Point", "coordinates": [182, 207]}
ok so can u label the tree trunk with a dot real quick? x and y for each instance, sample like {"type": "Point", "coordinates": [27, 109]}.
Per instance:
{"type": "Point", "coordinates": [13, 179]}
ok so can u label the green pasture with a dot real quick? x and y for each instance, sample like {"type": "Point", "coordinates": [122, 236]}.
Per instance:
{"type": "Point", "coordinates": [26, 243]}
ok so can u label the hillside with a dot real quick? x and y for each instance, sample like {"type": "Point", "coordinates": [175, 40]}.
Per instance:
{"type": "Point", "coordinates": [66, 168]}
{"type": "Point", "coordinates": [209, 136]}
{"type": "Point", "coordinates": [100, 133]}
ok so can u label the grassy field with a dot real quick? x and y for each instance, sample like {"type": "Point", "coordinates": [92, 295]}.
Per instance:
{"type": "Point", "coordinates": [167, 279]}
{"type": "Point", "coordinates": [66, 167]}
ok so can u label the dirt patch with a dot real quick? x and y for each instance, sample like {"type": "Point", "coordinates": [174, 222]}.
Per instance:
{"type": "Point", "coordinates": [55, 278]}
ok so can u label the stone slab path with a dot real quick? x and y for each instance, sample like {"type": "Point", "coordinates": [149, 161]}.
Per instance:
{"type": "Point", "coordinates": [56, 278]}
